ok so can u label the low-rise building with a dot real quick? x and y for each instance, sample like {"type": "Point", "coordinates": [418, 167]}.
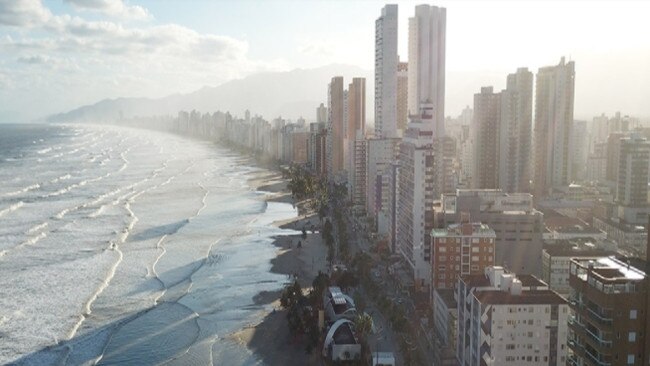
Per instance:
{"type": "Point", "coordinates": [628, 237]}
{"type": "Point", "coordinates": [460, 249]}
{"type": "Point", "coordinates": [341, 343]}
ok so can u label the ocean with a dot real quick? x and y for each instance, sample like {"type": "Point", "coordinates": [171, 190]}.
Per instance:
{"type": "Point", "coordinates": [125, 246]}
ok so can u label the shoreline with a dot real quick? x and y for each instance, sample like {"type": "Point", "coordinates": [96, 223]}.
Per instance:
{"type": "Point", "coordinates": [269, 338]}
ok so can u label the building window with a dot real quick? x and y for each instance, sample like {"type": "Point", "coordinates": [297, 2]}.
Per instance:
{"type": "Point", "coordinates": [442, 249]}
{"type": "Point", "coordinates": [631, 337]}
{"type": "Point", "coordinates": [475, 249]}
{"type": "Point", "coordinates": [630, 359]}
{"type": "Point", "coordinates": [633, 314]}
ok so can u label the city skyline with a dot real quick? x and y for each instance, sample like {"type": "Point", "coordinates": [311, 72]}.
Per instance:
{"type": "Point", "coordinates": [119, 49]}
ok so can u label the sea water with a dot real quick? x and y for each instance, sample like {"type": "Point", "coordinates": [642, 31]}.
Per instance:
{"type": "Point", "coordinates": [125, 246]}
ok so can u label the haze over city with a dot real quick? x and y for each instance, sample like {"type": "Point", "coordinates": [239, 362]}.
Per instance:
{"type": "Point", "coordinates": [260, 182]}
{"type": "Point", "coordinates": [60, 55]}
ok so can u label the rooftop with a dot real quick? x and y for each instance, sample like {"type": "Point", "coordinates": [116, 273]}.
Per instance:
{"type": "Point", "coordinates": [622, 225]}
{"type": "Point", "coordinates": [466, 229]}
{"type": "Point", "coordinates": [481, 280]}
{"type": "Point", "coordinates": [447, 295]}
{"type": "Point", "coordinates": [567, 251]}
{"type": "Point", "coordinates": [497, 297]}
{"type": "Point", "coordinates": [611, 269]}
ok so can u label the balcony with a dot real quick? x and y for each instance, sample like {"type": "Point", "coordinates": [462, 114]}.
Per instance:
{"type": "Point", "coordinates": [599, 317]}
{"type": "Point", "coordinates": [598, 339]}
{"type": "Point", "coordinates": [596, 360]}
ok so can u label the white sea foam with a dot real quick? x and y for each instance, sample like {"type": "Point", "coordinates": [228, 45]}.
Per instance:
{"type": "Point", "coordinates": [24, 190]}
{"type": "Point", "coordinates": [169, 222]}
{"type": "Point", "coordinates": [11, 208]}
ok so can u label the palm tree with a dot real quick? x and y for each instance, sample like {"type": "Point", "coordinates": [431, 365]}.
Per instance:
{"type": "Point", "coordinates": [363, 325]}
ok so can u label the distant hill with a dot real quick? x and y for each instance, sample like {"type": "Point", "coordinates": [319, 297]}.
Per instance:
{"type": "Point", "coordinates": [289, 94]}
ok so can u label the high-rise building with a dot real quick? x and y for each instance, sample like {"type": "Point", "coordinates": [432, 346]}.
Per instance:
{"type": "Point", "coordinates": [359, 183]}
{"type": "Point", "coordinates": [426, 69]}
{"type": "Point", "coordinates": [599, 129]}
{"type": "Point", "coordinates": [381, 153]}
{"type": "Point", "coordinates": [321, 114]}
{"type": "Point", "coordinates": [335, 127]}
{"type": "Point", "coordinates": [415, 195]}
{"type": "Point", "coordinates": [355, 130]}
{"type": "Point", "coordinates": [299, 146]}
{"type": "Point", "coordinates": [613, 151]}
{"type": "Point", "coordinates": [386, 63]}
{"type": "Point", "coordinates": [487, 115]}
{"type": "Point", "coordinates": [402, 96]}
{"type": "Point", "coordinates": [610, 299]}
{"type": "Point", "coordinates": [516, 123]}
{"type": "Point", "coordinates": [553, 118]}
{"type": "Point", "coordinates": [317, 148]}
{"type": "Point", "coordinates": [504, 319]}
{"type": "Point", "coordinates": [578, 148]}
{"type": "Point", "coordinates": [632, 185]}
{"type": "Point", "coordinates": [460, 249]}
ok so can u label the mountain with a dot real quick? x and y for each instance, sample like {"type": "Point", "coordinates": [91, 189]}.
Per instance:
{"type": "Point", "coordinates": [289, 94]}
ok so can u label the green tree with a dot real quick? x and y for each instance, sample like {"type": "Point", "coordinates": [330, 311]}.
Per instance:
{"type": "Point", "coordinates": [363, 325]}
{"type": "Point", "coordinates": [291, 295]}
{"type": "Point", "coordinates": [319, 284]}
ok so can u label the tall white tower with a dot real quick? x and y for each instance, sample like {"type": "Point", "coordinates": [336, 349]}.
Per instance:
{"type": "Point", "coordinates": [386, 62]}
{"type": "Point", "coordinates": [426, 78]}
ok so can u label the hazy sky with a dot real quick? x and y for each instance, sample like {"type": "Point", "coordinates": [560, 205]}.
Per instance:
{"type": "Point", "coordinates": [58, 54]}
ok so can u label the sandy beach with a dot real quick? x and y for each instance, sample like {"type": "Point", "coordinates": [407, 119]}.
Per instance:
{"type": "Point", "coordinates": [270, 338]}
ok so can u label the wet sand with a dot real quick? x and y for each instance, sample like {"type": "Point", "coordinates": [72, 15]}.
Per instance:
{"type": "Point", "coordinates": [270, 339]}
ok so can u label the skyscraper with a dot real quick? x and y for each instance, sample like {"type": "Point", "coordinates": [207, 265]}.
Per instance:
{"type": "Point", "coordinates": [386, 62]}
{"type": "Point", "coordinates": [487, 114]}
{"type": "Point", "coordinates": [553, 119]}
{"type": "Point", "coordinates": [515, 143]}
{"type": "Point", "coordinates": [632, 185]}
{"type": "Point", "coordinates": [415, 196]}
{"type": "Point", "coordinates": [421, 154]}
{"type": "Point", "coordinates": [355, 131]}
{"type": "Point", "coordinates": [402, 96]}
{"type": "Point", "coordinates": [321, 114]}
{"type": "Point", "coordinates": [335, 127]}
{"type": "Point", "coordinates": [426, 69]}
